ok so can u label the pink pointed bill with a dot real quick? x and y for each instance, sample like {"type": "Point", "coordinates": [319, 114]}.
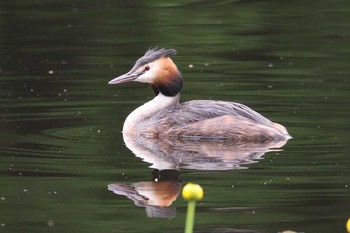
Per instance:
{"type": "Point", "coordinates": [123, 78]}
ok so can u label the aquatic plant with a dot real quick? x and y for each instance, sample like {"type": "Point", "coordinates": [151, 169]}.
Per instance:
{"type": "Point", "coordinates": [191, 193]}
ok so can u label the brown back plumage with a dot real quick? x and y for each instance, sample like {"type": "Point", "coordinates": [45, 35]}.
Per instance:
{"type": "Point", "coordinates": [200, 119]}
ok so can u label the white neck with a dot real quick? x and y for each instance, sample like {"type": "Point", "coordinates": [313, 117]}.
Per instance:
{"type": "Point", "coordinates": [135, 119]}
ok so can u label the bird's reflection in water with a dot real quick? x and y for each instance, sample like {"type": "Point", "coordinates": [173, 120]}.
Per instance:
{"type": "Point", "coordinates": [155, 195]}
{"type": "Point", "coordinates": [168, 156]}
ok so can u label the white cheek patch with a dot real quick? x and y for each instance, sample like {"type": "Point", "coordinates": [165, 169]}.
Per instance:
{"type": "Point", "coordinates": [148, 76]}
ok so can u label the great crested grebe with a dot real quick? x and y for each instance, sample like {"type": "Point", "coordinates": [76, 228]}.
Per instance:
{"type": "Point", "coordinates": [165, 117]}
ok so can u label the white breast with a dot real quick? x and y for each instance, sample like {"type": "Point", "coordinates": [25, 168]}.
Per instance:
{"type": "Point", "coordinates": [137, 118]}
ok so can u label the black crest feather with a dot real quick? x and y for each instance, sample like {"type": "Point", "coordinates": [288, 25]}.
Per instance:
{"type": "Point", "coordinates": [153, 54]}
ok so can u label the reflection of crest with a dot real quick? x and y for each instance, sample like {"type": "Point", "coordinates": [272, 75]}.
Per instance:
{"type": "Point", "coordinates": [168, 156]}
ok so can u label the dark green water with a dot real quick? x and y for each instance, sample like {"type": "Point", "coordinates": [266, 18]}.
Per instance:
{"type": "Point", "coordinates": [61, 141]}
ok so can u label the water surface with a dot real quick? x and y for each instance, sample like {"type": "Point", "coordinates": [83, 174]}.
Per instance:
{"type": "Point", "coordinates": [63, 159]}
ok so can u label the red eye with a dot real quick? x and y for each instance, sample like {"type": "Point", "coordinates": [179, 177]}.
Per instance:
{"type": "Point", "coordinates": [147, 68]}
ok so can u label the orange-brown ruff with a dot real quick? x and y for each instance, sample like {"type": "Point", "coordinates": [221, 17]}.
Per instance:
{"type": "Point", "coordinates": [164, 116]}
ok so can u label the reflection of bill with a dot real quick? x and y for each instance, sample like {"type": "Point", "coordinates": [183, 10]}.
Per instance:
{"type": "Point", "coordinates": [168, 156]}
{"type": "Point", "coordinates": [155, 195]}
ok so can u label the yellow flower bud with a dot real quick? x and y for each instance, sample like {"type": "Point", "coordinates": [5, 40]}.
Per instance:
{"type": "Point", "coordinates": [348, 225]}
{"type": "Point", "coordinates": [192, 192]}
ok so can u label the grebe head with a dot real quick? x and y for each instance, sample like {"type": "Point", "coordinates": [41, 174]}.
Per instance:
{"type": "Point", "coordinates": [156, 68]}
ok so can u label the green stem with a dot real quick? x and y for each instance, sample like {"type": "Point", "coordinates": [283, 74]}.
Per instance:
{"type": "Point", "coordinates": [191, 207]}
